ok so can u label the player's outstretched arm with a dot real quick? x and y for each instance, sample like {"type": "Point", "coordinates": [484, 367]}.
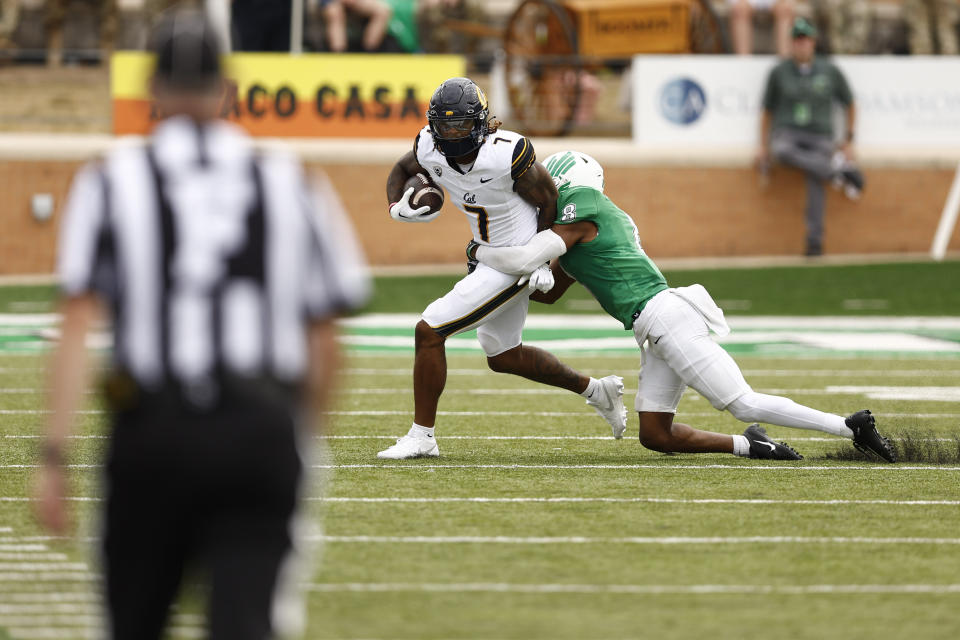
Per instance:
{"type": "Point", "coordinates": [545, 246]}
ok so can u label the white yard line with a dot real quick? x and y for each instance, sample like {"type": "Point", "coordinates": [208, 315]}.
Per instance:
{"type": "Point", "coordinates": [520, 467]}
{"type": "Point", "coordinates": [614, 467]}
{"type": "Point", "coordinates": [48, 608]}
{"type": "Point", "coordinates": [565, 467]}
{"type": "Point", "coordinates": [47, 576]}
{"type": "Point", "coordinates": [45, 598]}
{"type": "Point", "coordinates": [393, 436]}
{"type": "Point", "coordinates": [16, 555]}
{"type": "Point", "coordinates": [43, 566]}
{"type": "Point", "coordinates": [666, 540]}
{"type": "Point", "coordinates": [527, 500]}
{"type": "Point", "coordinates": [846, 373]}
{"type": "Point", "coordinates": [554, 499]}
{"type": "Point", "coordinates": [640, 589]}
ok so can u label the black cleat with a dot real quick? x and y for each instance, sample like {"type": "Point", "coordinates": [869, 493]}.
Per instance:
{"type": "Point", "coordinates": [764, 447]}
{"type": "Point", "coordinates": [853, 177]}
{"type": "Point", "coordinates": [867, 439]}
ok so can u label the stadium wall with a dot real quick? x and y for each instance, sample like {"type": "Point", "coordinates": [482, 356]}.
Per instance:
{"type": "Point", "coordinates": [714, 207]}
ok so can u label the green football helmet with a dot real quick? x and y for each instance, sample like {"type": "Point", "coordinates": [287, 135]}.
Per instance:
{"type": "Point", "coordinates": [575, 168]}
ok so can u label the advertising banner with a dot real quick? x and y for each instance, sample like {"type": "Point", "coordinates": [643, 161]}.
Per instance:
{"type": "Point", "coordinates": [310, 95]}
{"type": "Point", "coordinates": [715, 101]}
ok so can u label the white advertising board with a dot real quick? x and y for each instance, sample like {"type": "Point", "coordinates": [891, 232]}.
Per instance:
{"type": "Point", "coordinates": [714, 102]}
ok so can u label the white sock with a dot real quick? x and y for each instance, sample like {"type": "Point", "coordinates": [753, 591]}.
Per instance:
{"type": "Point", "coordinates": [741, 446]}
{"type": "Point", "coordinates": [760, 407]}
{"type": "Point", "coordinates": [418, 431]}
{"type": "Point", "coordinates": [592, 386]}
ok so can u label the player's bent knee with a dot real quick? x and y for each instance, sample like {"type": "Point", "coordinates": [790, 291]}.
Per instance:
{"type": "Point", "coordinates": [652, 435]}
{"type": "Point", "coordinates": [426, 336]}
{"type": "Point", "coordinates": [503, 362]}
{"type": "Point", "coordinates": [743, 410]}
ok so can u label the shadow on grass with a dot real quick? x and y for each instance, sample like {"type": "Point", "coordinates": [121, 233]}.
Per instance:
{"type": "Point", "coordinates": [910, 446]}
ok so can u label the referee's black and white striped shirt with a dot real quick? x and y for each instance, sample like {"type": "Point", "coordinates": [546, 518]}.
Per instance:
{"type": "Point", "coordinates": [214, 258]}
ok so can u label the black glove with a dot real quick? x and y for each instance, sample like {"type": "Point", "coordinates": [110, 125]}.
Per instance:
{"type": "Point", "coordinates": [471, 261]}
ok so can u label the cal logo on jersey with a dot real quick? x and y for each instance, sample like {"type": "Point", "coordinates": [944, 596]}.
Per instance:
{"type": "Point", "coordinates": [569, 213]}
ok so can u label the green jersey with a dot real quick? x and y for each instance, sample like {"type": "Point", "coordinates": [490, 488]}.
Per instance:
{"type": "Point", "coordinates": [802, 98]}
{"type": "Point", "coordinates": [612, 266]}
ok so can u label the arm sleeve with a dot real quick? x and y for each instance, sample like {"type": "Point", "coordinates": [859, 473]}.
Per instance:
{"type": "Point", "coordinates": [842, 91]}
{"type": "Point", "coordinates": [80, 232]}
{"type": "Point", "coordinates": [523, 158]}
{"type": "Point", "coordinates": [543, 247]}
{"type": "Point", "coordinates": [338, 278]}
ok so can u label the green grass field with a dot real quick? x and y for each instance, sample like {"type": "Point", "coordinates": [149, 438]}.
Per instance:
{"type": "Point", "coordinates": [534, 523]}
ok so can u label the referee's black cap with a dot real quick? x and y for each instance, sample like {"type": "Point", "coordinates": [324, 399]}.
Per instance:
{"type": "Point", "coordinates": [187, 50]}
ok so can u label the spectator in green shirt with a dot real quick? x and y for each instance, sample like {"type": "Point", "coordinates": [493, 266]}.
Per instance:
{"type": "Point", "coordinates": [797, 126]}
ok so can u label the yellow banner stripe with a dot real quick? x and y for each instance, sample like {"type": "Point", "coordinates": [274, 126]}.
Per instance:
{"type": "Point", "coordinates": [305, 74]}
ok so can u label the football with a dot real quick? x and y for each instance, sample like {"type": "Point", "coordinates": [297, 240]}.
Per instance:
{"type": "Point", "coordinates": [425, 192]}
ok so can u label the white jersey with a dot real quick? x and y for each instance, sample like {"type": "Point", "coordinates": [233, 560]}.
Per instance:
{"type": "Point", "coordinates": [498, 216]}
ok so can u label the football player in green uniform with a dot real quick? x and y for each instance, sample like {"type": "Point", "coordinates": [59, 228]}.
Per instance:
{"type": "Point", "coordinates": [594, 242]}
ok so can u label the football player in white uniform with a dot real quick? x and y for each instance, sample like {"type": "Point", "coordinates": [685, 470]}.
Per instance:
{"type": "Point", "coordinates": [494, 178]}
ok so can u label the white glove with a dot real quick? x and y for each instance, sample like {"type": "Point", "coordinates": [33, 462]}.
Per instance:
{"type": "Point", "coordinates": [404, 213]}
{"type": "Point", "coordinates": [541, 279]}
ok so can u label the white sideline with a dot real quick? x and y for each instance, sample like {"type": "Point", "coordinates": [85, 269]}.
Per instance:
{"type": "Point", "coordinates": [48, 597]}
{"type": "Point", "coordinates": [665, 540]}
{"type": "Point", "coordinates": [48, 607]}
{"type": "Point", "coordinates": [553, 500]}
{"type": "Point", "coordinates": [640, 589]}
{"type": "Point", "coordinates": [567, 467]}
{"type": "Point", "coordinates": [665, 467]}
{"type": "Point", "coordinates": [541, 414]}
{"type": "Point", "coordinates": [47, 576]}
{"type": "Point", "coordinates": [393, 436]}
{"type": "Point", "coordinates": [753, 501]}
{"type": "Point", "coordinates": [886, 373]}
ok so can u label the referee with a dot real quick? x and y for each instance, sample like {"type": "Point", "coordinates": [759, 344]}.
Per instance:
{"type": "Point", "coordinates": [222, 279]}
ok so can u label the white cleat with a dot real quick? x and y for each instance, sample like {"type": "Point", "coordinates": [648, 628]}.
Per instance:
{"type": "Point", "coordinates": [411, 447]}
{"type": "Point", "coordinates": [608, 401]}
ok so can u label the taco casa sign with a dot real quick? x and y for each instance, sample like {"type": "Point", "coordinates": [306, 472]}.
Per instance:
{"type": "Point", "coordinates": [312, 95]}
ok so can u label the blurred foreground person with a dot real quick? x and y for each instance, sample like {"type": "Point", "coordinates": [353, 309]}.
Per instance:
{"type": "Point", "coordinates": [223, 281]}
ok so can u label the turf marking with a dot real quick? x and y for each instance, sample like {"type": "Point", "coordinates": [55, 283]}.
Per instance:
{"type": "Point", "coordinates": [47, 576]}
{"type": "Point", "coordinates": [52, 597]}
{"type": "Point", "coordinates": [847, 373]}
{"type": "Point", "coordinates": [640, 589]}
{"type": "Point", "coordinates": [615, 467]}
{"type": "Point", "coordinates": [43, 566]}
{"type": "Point", "coordinates": [526, 500]}
{"type": "Point", "coordinates": [665, 540]}
{"type": "Point", "coordinates": [554, 499]}
{"type": "Point", "coordinates": [16, 555]}
{"type": "Point", "coordinates": [520, 467]}
{"type": "Point", "coordinates": [48, 607]}
{"type": "Point", "coordinates": [387, 436]}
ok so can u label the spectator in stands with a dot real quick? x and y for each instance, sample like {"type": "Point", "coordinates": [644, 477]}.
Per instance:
{"type": "Point", "coordinates": [847, 24]}
{"type": "Point", "coordinates": [932, 26]}
{"type": "Point", "coordinates": [741, 24]}
{"type": "Point", "coordinates": [55, 14]}
{"type": "Point", "coordinates": [9, 17]}
{"type": "Point", "coordinates": [797, 126]}
{"type": "Point", "coordinates": [261, 25]}
{"type": "Point", "coordinates": [335, 12]}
